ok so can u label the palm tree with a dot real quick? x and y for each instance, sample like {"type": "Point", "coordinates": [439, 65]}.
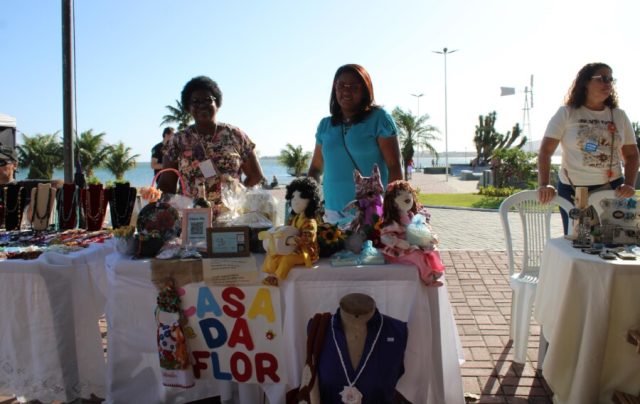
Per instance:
{"type": "Point", "coordinates": [177, 115]}
{"type": "Point", "coordinates": [119, 161]}
{"type": "Point", "coordinates": [296, 160]}
{"type": "Point", "coordinates": [413, 131]}
{"type": "Point", "coordinates": [41, 153]}
{"type": "Point", "coordinates": [91, 150]}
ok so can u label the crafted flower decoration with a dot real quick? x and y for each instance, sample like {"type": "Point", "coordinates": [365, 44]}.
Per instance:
{"type": "Point", "coordinates": [330, 239]}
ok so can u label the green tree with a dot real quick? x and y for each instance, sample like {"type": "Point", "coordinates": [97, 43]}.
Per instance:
{"type": "Point", "coordinates": [119, 160]}
{"type": "Point", "coordinates": [487, 140]}
{"type": "Point", "coordinates": [295, 159]}
{"type": "Point", "coordinates": [413, 131]}
{"type": "Point", "coordinates": [513, 168]}
{"type": "Point", "coordinates": [92, 151]}
{"type": "Point", "coordinates": [41, 153]}
{"type": "Point", "coordinates": [177, 115]}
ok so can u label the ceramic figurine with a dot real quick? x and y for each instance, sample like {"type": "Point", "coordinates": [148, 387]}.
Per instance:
{"type": "Point", "coordinates": [406, 234]}
{"type": "Point", "coordinates": [304, 196]}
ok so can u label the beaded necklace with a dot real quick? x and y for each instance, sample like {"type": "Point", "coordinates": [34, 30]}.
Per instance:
{"type": "Point", "coordinates": [16, 212]}
{"type": "Point", "coordinates": [123, 219]}
{"type": "Point", "coordinates": [350, 394]}
{"type": "Point", "coordinates": [66, 218]}
{"type": "Point", "coordinates": [98, 216]}
{"type": "Point", "coordinates": [34, 207]}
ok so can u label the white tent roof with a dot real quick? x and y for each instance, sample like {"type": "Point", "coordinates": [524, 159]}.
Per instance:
{"type": "Point", "coordinates": [7, 121]}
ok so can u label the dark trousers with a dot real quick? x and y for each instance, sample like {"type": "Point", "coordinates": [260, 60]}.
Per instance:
{"type": "Point", "coordinates": [568, 192]}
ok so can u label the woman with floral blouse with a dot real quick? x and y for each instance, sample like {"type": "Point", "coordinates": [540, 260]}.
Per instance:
{"type": "Point", "coordinates": [209, 152]}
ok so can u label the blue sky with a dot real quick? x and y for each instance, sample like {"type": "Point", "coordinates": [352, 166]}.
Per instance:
{"type": "Point", "coordinates": [275, 61]}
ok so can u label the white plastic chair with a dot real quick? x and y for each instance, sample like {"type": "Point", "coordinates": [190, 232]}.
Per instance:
{"type": "Point", "coordinates": [596, 197]}
{"type": "Point", "coordinates": [536, 230]}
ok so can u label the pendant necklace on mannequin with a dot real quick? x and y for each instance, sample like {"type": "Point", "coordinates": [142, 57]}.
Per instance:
{"type": "Point", "coordinates": [66, 218]}
{"type": "Point", "coordinates": [350, 394]}
{"type": "Point", "coordinates": [35, 214]}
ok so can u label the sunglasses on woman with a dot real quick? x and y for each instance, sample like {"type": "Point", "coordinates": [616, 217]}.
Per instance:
{"type": "Point", "coordinates": [604, 79]}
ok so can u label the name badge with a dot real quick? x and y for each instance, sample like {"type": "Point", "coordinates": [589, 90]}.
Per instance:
{"type": "Point", "coordinates": [207, 169]}
{"type": "Point", "coordinates": [591, 146]}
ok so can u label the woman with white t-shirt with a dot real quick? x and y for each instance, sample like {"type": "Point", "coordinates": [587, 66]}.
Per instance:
{"type": "Point", "coordinates": [596, 137]}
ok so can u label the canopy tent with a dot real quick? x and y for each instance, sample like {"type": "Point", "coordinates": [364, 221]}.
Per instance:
{"type": "Point", "coordinates": [7, 130]}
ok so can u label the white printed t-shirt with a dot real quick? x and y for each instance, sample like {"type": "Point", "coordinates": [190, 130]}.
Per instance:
{"type": "Point", "coordinates": [586, 143]}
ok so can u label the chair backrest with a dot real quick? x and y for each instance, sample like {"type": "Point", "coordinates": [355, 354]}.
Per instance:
{"type": "Point", "coordinates": [536, 227]}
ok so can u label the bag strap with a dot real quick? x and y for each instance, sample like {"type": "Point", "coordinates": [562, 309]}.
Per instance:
{"type": "Point", "coordinates": [344, 143]}
{"type": "Point", "coordinates": [183, 185]}
{"type": "Point", "coordinates": [315, 342]}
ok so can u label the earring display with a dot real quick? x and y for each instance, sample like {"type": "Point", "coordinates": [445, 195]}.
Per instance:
{"type": "Point", "coordinates": [42, 198]}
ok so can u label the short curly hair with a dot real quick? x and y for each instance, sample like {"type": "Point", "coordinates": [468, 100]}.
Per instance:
{"type": "Point", "coordinates": [310, 190]}
{"type": "Point", "coordinates": [200, 83]}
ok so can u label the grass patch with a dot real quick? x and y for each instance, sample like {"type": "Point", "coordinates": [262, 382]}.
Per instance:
{"type": "Point", "coordinates": [461, 200]}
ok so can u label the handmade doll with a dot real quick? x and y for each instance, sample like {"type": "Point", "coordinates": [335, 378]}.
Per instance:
{"type": "Point", "coordinates": [406, 234]}
{"type": "Point", "coordinates": [304, 196]}
{"type": "Point", "coordinates": [368, 200]}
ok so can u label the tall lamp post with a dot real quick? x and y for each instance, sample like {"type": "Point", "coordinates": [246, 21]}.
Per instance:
{"type": "Point", "coordinates": [418, 117]}
{"type": "Point", "coordinates": [444, 52]}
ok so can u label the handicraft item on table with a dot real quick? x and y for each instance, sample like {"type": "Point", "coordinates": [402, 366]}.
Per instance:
{"type": "Point", "coordinates": [122, 199]}
{"type": "Point", "coordinates": [406, 233]}
{"type": "Point", "coordinates": [94, 202]}
{"type": "Point", "coordinates": [43, 197]}
{"type": "Point", "coordinates": [67, 201]}
{"type": "Point", "coordinates": [368, 203]}
{"type": "Point", "coordinates": [304, 196]}
{"type": "Point", "coordinates": [14, 197]}
{"type": "Point", "coordinates": [172, 347]}
{"type": "Point", "coordinates": [157, 223]}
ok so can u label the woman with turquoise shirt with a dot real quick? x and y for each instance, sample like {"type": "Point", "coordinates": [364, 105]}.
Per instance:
{"type": "Point", "coordinates": [357, 135]}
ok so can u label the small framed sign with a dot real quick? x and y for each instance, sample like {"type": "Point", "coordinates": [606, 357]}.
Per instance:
{"type": "Point", "coordinates": [228, 241]}
{"type": "Point", "coordinates": [195, 223]}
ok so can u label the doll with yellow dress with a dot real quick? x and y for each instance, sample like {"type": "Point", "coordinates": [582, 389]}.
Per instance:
{"type": "Point", "coordinates": [297, 242]}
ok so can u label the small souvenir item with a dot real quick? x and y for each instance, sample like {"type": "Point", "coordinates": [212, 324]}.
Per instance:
{"type": "Point", "coordinates": [368, 201]}
{"type": "Point", "coordinates": [122, 199]}
{"type": "Point", "coordinates": [94, 204]}
{"type": "Point", "coordinates": [14, 196]}
{"type": "Point", "coordinates": [401, 206]}
{"type": "Point", "coordinates": [304, 196]}
{"type": "Point", "coordinates": [68, 199]}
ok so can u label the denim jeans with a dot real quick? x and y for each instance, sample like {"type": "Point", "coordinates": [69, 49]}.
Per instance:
{"type": "Point", "coordinates": [568, 192]}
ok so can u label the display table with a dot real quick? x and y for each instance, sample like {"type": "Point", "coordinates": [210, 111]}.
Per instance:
{"type": "Point", "coordinates": [50, 344]}
{"type": "Point", "coordinates": [585, 306]}
{"type": "Point", "coordinates": [432, 358]}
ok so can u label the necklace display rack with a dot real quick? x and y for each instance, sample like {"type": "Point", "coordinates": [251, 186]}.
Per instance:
{"type": "Point", "coordinates": [13, 196]}
{"type": "Point", "coordinates": [68, 206]}
{"type": "Point", "coordinates": [122, 199]}
{"type": "Point", "coordinates": [94, 202]}
{"type": "Point", "coordinates": [43, 197]}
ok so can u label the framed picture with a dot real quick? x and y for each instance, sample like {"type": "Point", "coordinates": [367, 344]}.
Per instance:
{"type": "Point", "coordinates": [195, 223]}
{"type": "Point", "coordinates": [228, 241]}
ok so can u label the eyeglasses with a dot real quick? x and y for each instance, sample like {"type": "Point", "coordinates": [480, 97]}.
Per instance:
{"type": "Point", "coordinates": [205, 101]}
{"type": "Point", "coordinates": [348, 86]}
{"type": "Point", "coordinates": [4, 163]}
{"type": "Point", "coordinates": [604, 79]}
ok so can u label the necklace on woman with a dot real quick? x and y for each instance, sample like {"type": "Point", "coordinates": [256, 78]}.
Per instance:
{"type": "Point", "coordinates": [611, 127]}
{"type": "Point", "coordinates": [350, 394]}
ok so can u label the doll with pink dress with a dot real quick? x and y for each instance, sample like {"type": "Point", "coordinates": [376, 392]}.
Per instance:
{"type": "Point", "coordinates": [406, 234]}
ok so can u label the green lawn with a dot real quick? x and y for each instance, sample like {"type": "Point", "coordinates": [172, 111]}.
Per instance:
{"type": "Point", "coordinates": [460, 200]}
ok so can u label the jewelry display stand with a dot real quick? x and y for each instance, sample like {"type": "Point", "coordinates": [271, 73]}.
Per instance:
{"type": "Point", "coordinates": [43, 197]}
{"type": "Point", "coordinates": [94, 205]}
{"type": "Point", "coordinates": [122, 199]}
{"type": "Point", "coordinates": [68, 206]}
{"type": "Point", "coordinates": [13, 200]}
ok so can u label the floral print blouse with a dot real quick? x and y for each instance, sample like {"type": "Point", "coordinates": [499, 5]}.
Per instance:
{"type": "Point", "coordinates": [228, 149]}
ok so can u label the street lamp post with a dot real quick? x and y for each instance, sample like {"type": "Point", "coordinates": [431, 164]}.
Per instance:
{"type": "Point", "coordinates": [418, 117]}
{"type": "Point", "coordinates": [444, 52]}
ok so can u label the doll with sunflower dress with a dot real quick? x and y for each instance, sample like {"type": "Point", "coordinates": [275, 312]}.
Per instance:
{"type": "Point", "coordinates": [304, 196]}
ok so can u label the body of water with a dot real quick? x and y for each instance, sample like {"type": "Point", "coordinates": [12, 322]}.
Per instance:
{"type": "Point", "coordinates": [142, 174]}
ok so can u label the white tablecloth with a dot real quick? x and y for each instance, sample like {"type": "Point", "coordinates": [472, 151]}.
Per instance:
{"type": "Point", "coordinates": [585, 306]}
{"type": "Point", "coordinates": [432, 358]}
{"type": "Point", "coordinates": [50, 345]}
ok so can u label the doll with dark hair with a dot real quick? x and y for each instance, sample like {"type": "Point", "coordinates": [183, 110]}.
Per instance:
{"type": "Point", "coordinates": [406, 234]}
{"type": "Point", "coordinates": [304, 197]}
